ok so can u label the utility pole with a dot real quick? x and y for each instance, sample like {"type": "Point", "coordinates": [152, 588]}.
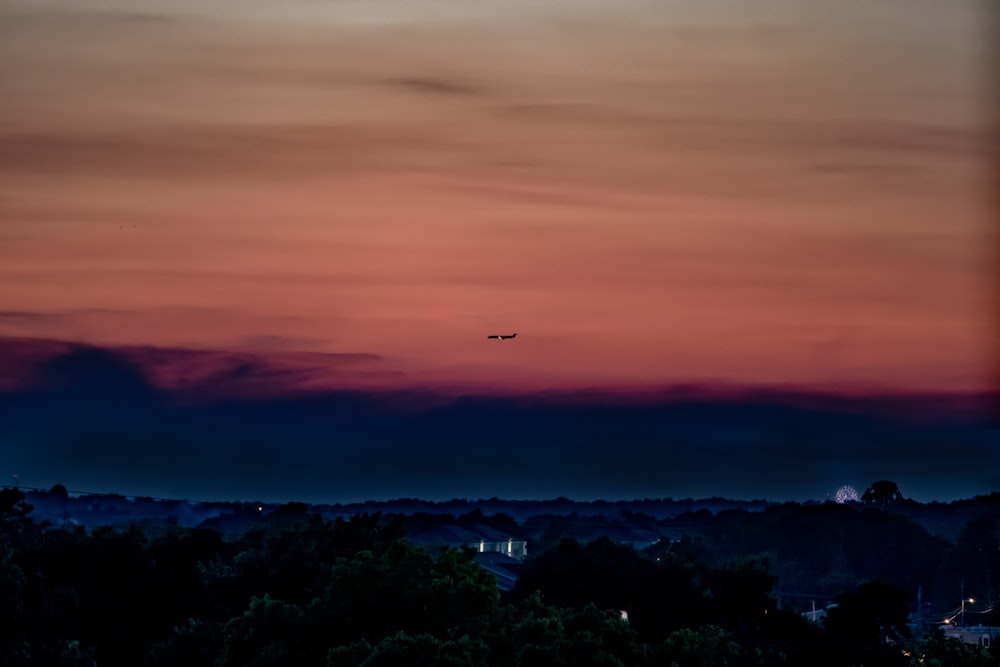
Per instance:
{"type": "Point", "coordinates": [961, 590]}
{"type": "Point", "coordinates": [920, 609]}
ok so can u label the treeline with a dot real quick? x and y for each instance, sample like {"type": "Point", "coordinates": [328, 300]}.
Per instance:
{"type": "Point", "coordinates": [814, 551]}
{"type": "Point", "coordinates": [818, 552]}
{"type": "Point", "coordinates": [301, 590]}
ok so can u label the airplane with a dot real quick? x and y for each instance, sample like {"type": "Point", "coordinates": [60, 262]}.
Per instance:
{"type": "Point", "coordinates": [501, 337]}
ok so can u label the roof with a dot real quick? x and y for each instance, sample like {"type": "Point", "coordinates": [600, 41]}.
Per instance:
{"type": "Point", "coordinates": [455, 534]}
{"type": "Point", "coordinates": [501, 566]}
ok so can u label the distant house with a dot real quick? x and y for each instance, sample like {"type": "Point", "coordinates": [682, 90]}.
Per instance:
{"type": "Point", "coordinates": [504, 568]}
{"type": "Point", "coordinates": [480, 537]}
{"type": "Point", "coordinates": [512, 548]}
{"type": "Point", "coordinates": [497, 552]}
{"type": "Point", "coordinates": [981, 635]}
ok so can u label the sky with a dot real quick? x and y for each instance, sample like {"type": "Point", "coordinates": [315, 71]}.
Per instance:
{"type": "Point", "coordinates": [270, 202]}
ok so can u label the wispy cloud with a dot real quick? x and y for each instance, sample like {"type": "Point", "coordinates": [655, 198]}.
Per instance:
{"type": "Point", "coordinates": [50, 364]}
{"type": "Point", "coordinates": [59, 317]}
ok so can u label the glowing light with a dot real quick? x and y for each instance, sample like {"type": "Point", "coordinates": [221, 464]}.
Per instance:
{"type": "Point", "coordinates": [846, 494]}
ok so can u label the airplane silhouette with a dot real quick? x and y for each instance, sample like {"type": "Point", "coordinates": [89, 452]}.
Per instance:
{"type": "Point", "coordinates": [503, 337]}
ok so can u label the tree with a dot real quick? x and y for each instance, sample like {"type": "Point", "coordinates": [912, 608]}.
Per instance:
{"type": "Point", "coordinates": [613, 576]}
{"type": "Point", "coordinates": [741, 595]}
{"type": "Point", "coordinates": [974, 561]}
{"type": "Point", "coordinates": [192, 644]}
{"type": "Point", "coordinates": [268, 633]}
{"type": "Point", "coordinates": [939, 651]}
{"type": "Point", "coordinates": [13, 508]}
{"type": "Point", "coordinates": [405, 589]}
{"type": "Point", "coordinates": [403, 650]}
{"type": "Point", "coordinates": [708, 646]}
{"type": "Point", "coordinates": [867, 622]}
{"type": "Point", "coordinates": [882, 494]}
{"type": "Point", "coordinates": [14, 648]}
{"type": "Point", "coordinates": [554, 636]}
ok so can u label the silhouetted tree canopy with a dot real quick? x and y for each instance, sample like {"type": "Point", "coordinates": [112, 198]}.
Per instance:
{"type": "Point", "coordinates": [13, 507]}
{"type": "Point", "coordinates": [882, 493]}
{"type": "Point", "coordinates": [296, 589]}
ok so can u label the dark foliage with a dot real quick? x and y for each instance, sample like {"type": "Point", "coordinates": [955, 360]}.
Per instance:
{"type": "Point", "coordinates": [296, 589]}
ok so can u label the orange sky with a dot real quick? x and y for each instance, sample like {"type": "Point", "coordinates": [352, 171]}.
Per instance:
{"type": "Point", "coordinates": [646, 192]}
